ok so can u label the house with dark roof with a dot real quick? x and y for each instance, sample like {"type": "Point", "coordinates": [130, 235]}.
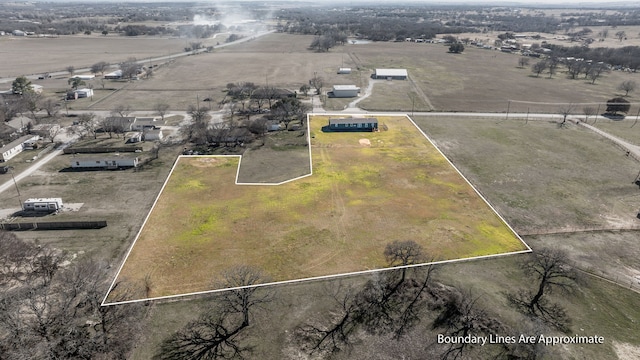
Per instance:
{"type": "Point", "coordinates": [352, 124]}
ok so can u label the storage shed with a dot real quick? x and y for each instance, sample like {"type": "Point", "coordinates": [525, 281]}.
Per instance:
{"type": "Point", "coordinates": [43, 204]}
{"type": "Point", "coordinates": [353, 124]}
{"type": "Point", "coordinates": [391, 74]}
{"type": "Point", "coordinates": [344, 70]}
{"type": "Point", "coordinates": [344, 91]}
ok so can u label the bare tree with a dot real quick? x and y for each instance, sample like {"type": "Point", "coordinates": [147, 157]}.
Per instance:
{"type": "Point", "coordinates": [99, 67]}
{"type": "Point", "coordinates": [31, 102]}
{"type": "Point", "coordinates": [317, 82]}
{"type": "Point", "coordinates": [130, 68]}
{"type": "Point", "coordinates": [218, 333]}
{"type": "Point", "coordinates": [621, 35]}
{"type": "Point", "coordinates": [523, 61]}
{"type": "Point", "coordinates": [552, 65]}
{"type": "Point", "coordinates": [390, 302]}
{"type": "Point", "coordinates": [71, 70]}
{"type": "Point", "coordinates": [566, 110]}
{"type": "Point", "coordinates": [627, 86]}
{"type": "Point", "coordinates": [588, 111]}
{"type": "Point", "coordinates": [551, 270]}
{"type": "Point", "coordinates": [87, 125]}
{"type": "Point", "coordinates": [121, 110]}
{"type": "Point", "coordinates": [595, 71]}
{"type": "Point", "coordinates": [51, 106]}
{"type": "Point", "coordinates": [403, 253]}
{"type": "Point", "coordinates": [161, 109]}
{"type": "Point", "coordinates": [539, 67]}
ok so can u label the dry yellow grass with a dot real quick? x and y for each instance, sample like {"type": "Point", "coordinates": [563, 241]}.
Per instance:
{"type": "Point", "coordinates": [336, 221]}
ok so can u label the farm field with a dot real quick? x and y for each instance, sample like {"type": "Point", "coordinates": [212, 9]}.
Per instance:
{"type": "Point", "coordinates": [476, 80]}
{"type": "Point", "coordinates": [18, 52]}
{"type": "Point", "coordinates": [336, 221]}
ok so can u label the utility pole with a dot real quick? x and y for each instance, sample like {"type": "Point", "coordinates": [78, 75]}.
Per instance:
{"type": "Point", "coordinates": [16, 185]}
{"type": "Point", "coordinates": [508, 107]}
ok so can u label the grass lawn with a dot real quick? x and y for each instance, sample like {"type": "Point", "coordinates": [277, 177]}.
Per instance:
{"type": "Point", "coordinates": [337, 221]}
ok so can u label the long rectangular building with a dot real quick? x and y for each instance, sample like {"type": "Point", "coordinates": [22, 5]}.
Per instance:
{"type": "Point", "coordinates": [391, 74]}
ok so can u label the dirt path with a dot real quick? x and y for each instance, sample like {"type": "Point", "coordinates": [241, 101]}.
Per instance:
{"type": "Point", "coordinates": [632, 150]}
{"type": "Point", "coordinates": [421, 93]}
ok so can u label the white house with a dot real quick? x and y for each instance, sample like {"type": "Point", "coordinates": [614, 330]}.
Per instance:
{"type": "Point", "coordinates": [344, 91]}
{"type": "Point", "coordinates": [83, 93]}
{"type": "Point", "coordinates": [144, 123]}
{"type": "Point", "coordinates": [109, 164]}
{"type": "Point", "coordinates": [15, 147]}
{"type": "Point", "coordinates": [43, 204]}
{"type": "Point", "coordinates": [114, 75]}
{"type": "Point", "coordinates": [391, 74]}
{"type": "Point", "coordinates": [152, 134]}
{"type": "Point", "coordinates": [84, 77]}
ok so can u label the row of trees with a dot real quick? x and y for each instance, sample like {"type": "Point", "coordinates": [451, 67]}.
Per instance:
{"type": "Point", "coordinates": [390, 306]}
{"type": "Point", "coordinates": [590, 70]}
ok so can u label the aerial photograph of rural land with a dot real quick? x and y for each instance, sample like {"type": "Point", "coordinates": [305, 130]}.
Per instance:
{"type": "Point", "coordinates": [309, 180]}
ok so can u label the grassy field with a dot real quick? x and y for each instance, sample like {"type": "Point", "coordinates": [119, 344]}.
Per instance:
{"type": "Point", "coordinates": [548, 182]}
{"type": "Point", "coordinates": [336, 221]}
{"type": "Point", "coordinates": [19, 54]}
{"type": "Point", "coordinates": [476, 80]}
{"type": "Point", "coordinates": [539, 176]}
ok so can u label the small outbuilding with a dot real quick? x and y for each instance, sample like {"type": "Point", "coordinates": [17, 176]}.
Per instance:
{"type": "Point", "coordinates": [353, 124]}
{"type": "Point", "coordinates": [43, 204]}
{"type": "Point", "coordinates": [391, 74]}
{"type": "Point", "coordinates": [344, 91]}
{"type": "Point", "coordinates": [344, 70]}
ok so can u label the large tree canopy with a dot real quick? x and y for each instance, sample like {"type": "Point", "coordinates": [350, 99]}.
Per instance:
{"type": "Point", "coordinates": [617, 105]}
{"type": "Point", "coordinates": [21, 85]}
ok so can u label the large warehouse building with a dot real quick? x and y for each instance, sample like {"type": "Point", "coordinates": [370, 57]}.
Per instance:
{"type": "Point", "coordinates": [391, 74]}
{"type": "Point", "coordinates": [344, 91]}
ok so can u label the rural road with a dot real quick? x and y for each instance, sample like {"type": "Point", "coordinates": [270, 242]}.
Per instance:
{"type": "Point", "coordinates": [160, 58]}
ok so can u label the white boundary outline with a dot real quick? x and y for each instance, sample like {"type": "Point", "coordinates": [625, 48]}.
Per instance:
{"type": "Point", "coordinates": [324, 277]}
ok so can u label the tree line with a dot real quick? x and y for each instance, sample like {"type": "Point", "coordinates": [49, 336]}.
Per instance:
{"type": "Point", "coordinates": [51, 310]}
{"type": "Point", "coordinates": [384, 311]}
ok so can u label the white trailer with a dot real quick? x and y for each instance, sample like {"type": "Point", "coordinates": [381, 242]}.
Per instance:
{"type": "Point", "coordinates": [43, 204]}
{"type": "Point", "coordinates": [114, 163]}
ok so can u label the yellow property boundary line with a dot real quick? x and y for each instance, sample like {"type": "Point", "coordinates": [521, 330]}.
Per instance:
{"type": "Point", "coordinates": [324, 277]}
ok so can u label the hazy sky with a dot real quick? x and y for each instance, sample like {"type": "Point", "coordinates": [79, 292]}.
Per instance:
{"type": "Point", "coordinates": [559, 3]}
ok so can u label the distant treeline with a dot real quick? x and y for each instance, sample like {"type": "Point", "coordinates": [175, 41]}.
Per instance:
{"type": "Point", "coordinates": [627, 56]}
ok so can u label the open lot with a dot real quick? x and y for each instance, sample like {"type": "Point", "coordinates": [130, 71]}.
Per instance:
{"type": "Point", "coordinates": [337, 221]}
{"type": "Point", "coordinates": [549, 182]}
{"type": "Point", "coordinates": [121, 197]}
